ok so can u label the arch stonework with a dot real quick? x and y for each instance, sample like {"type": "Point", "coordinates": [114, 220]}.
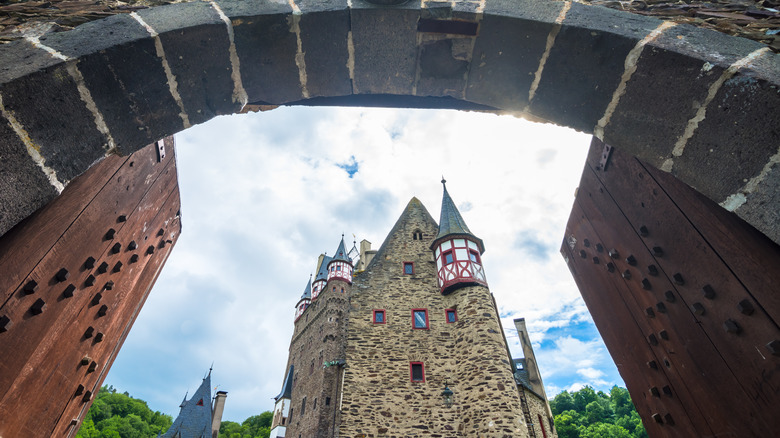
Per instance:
{"type": "Point", "coordinates": [693, 102]}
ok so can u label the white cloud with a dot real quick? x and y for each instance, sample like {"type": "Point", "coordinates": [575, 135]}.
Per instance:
{"type": "Point", "coordinates": [264, 194]}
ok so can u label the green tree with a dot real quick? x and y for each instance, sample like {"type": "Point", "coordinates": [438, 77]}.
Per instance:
{"type": "Point", "coordinates": [604, 430]}
{"type": "Point", "coordinates": [562, 402]}
{"type": "Point", "coordinates": [592, 414]}
{"type": "Point", "coordinates": [583, 397]}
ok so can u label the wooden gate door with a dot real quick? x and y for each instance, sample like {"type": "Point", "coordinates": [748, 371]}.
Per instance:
{"type": "Point", "coordinates": [685, 295]}
{"type": "Point", "coordinates": [73, 277]}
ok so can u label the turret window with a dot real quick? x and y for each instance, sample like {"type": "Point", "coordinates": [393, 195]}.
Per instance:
{"type": "Point", "coordinates": [448, 258]}
{"type": "Point", "coordinates": [417, 371]}
{"type": "Point", "coordinates": [420, 319]}
{"type": "Point", "coordinates": [452, 315]}
{"type": "Point", "coordinates": [474, 256]}
{"type": "Point", "coordinates": [379, 316]}
{"type": "Point", "coordinates": [408, 268]}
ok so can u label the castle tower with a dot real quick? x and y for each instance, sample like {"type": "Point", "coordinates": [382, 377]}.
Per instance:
{"type": "Point", "coordinates": [304, 302]}
{"type": "Point", "coordinates": [282, 406]}
{"type": "Point", "coordinates": [406, 346]}
{"type": "Point", "coordinates": [458, 252]}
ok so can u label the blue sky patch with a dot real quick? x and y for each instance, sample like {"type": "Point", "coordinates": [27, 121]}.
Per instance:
{"type": "Point", "coordinates": [351, 166]}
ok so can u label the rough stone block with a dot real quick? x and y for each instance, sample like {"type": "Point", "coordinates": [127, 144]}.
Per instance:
{"type": "Point", "coordinates": [502, 71]}
{"type": "Point", "coordinates": [89, 38]}
{"type": "Point", "coordinates": [23, 185]}
{"type": "Point", "coordinates": [266, 46]}
{"type": "Point", "coordinates": [50, 109]}
{"type": "Point", "coordinates": [385, 42]}
{"type": "Point", "coordinates": [586, 64]}
{"type": "Point", "coordinates": [443, 67]}
{"type": "Point", "coordinates": [762, 206]}
{"type": "Point", "coordinates": [206, 89]}
{"type": "Point", "coordinates": [656, 108]}
{"type": "Point", "coordinates": [123, 78]}
{"type": "Point", "coordinates": [20, 58]}
{"type": "Point", "coordinates": [324, 40]}
{"type": "Point", "coordinates": [735, 140]}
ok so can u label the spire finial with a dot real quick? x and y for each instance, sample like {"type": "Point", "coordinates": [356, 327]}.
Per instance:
{"type": "Point", "coordinates": [443, 181]}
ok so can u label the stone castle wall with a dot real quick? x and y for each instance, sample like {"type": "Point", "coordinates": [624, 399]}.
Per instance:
{"type": "Point", "coordinates": [319, 337]}
{"type": "Point", "coordinates": [470, 355]}
{"type": "Point", "coordinates": [538, 409]}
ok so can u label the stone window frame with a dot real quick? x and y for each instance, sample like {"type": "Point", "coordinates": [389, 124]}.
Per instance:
{"type": "Point", "coordinates": [411, 372]}
{"type": "Point", "coordinates": [427, 320]}
{"type": "Point", "coordinates": [447, 315]}
{"type": "Point", "coordinates": [410, 264]}
{"type": "Point", "coordinates": [384, 316]}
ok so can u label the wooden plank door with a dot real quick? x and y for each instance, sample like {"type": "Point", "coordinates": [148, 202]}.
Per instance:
{"type": "Point", "coordinates": [685, 296]}
{"type": "Point", "coordinates": [74, 276]}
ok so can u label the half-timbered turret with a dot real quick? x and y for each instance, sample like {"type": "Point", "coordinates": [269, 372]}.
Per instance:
{"type": "Point", "coordinates": [457, 251]}
{"type": "Point", "coordinates": [304, 302]}
{"type": "Point", "coordinates": [321, 279]}
{"type": "Point", "coordinates": [340, 267]}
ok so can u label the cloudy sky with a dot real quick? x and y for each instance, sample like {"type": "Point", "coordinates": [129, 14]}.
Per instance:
{"type": "Point", "coordinates": [264, 194]}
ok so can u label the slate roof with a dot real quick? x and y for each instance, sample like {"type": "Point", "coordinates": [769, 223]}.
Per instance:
{"type": "Point", "coordinates": [287, 386]}
{"type": "Point", "coordinates": [322, 274]}
{"type": "Point", "coordinates": [451, 222]}
{"type": "Point", "coordinates": [521, 374]}
{"type": "Point", "coordinates": [341, 253]}
{"type": "Point", "coordinates": [307, 292]}
{"type": "Point", "coordinates": [194, 420]}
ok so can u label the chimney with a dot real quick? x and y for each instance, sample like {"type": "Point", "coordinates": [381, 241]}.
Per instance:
{"type": "Point", "coordinates": [534, 377]}
{"type": "Point", "coordinates": [366, 254]}
{"type": "Point", "coordinates": [216, 413]}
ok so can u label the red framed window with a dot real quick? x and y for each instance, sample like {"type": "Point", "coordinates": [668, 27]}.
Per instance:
{"type": "Point", "coordinates": [451, 316]}
{"type": "Point", "coordinates": [474, 256]}
{"type": "Point", "coordinates": [420, 319]}
{"type": "Point", "coordinates": [447, 257]}
{"type": "Point", "coordinates": [417, 371]}
{"type": "Point", "coordinates": [408, 268]}
{"type": "Point", "coordinates": [379, 316]}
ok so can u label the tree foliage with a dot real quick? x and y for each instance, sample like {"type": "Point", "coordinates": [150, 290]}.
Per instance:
{"type": "Point", "coordinates": [117, 415]}
{"type": "Point", "coordinates": [590, 414]}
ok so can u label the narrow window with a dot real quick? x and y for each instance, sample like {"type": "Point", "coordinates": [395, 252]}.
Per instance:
{"type": "Point", "coordinates": [303, 407]}
{"type": "Point", "coordinates": [379, 316]}
{"type": "Point", "coordinates": [315, 404]}
{"type": "Point", "coordinates": [420, 318]}
{"type": "Point", "coordinates": [448, 257]}
{"type": "Point", "coordinates": [474, 256]}
{"type": "Point", "coordinates": [417, 371]}
{"type": "Point", "coordinates": [452, 316]}
{"type": "Point", "coordinates": [327, 401]}
{"type": "Point", "coordinates": [338, 268]}
{"type": "Point", "coordinates": [408, 268]}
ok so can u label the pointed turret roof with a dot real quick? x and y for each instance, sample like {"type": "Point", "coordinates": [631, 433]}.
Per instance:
{"type": "Point", "coordinates": [413, 212]}
{"type": "Point", "coordinates": [322, 273]}
{"type": "Point", "coordinates": [451, 223]}
{"type": "Point", "coordinates": [194, 420]}
{"type": "Point", "coordinates": [341, 253]}
{"type": "Point", "coordinates": [287, 386]}
{"type": "Point", "coordinates": [307, 292]}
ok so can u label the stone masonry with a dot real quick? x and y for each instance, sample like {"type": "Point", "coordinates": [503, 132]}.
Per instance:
{"type": "Point", "coordinates": [378, 398]}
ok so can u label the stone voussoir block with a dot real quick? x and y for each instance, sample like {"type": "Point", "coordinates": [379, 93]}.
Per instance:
{"type": "Point", "coordinates": [206, 90]}
{"type": "Point", "coordinates": [586, 63]}
{"type": "Point", "coordinates": [498, 60]}
{"type": "Point", "coordinates": [385, 48]}
{"type": "Point", "coordinates": [118, 62]}
{"type": "Point", "coordinates": [266, 42]}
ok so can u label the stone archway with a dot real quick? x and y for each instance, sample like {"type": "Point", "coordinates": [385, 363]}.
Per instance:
{"type": "Point", "coordinates": [697, 103]}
